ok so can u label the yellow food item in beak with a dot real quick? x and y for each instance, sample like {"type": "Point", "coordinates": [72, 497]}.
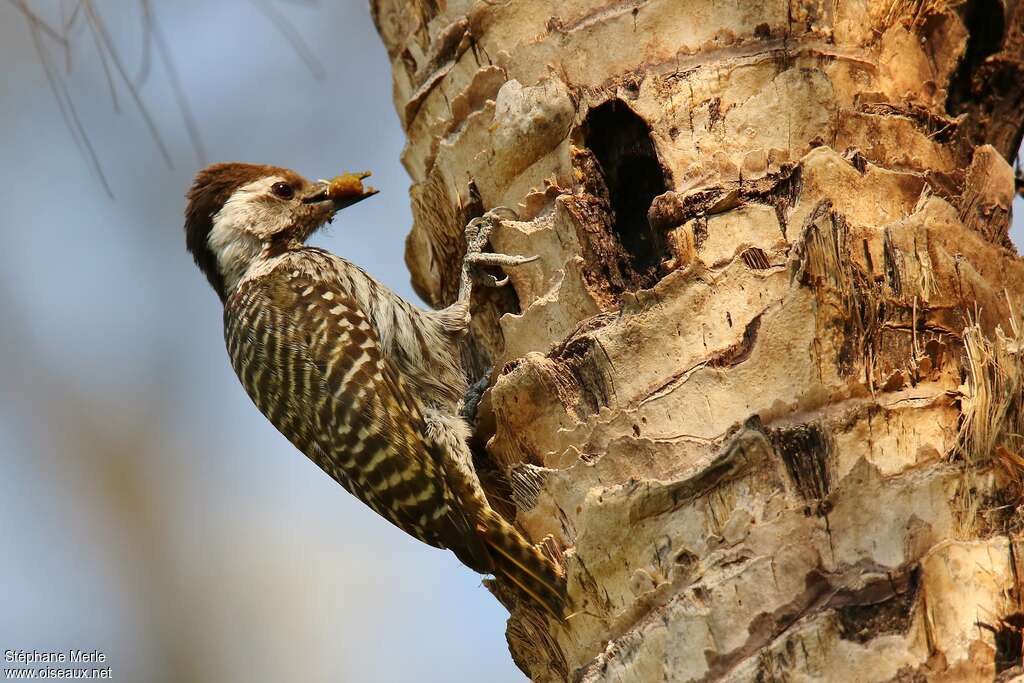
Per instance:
{"type": "Point", "coordinates": [349, 186]}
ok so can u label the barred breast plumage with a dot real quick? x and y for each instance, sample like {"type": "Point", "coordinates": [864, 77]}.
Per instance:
{"type": "Point", "coordinates": [312, 364]}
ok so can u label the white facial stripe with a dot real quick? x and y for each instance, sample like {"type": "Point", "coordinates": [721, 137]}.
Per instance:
{"type": "Point", "coordinates": [248, 209]}
{"type": "Point", "coordinates": [242, 225]}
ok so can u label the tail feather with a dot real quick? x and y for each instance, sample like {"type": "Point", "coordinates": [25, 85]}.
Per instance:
{"type": "Point", "coordinates": [524, 566]}
{"type": "Point", "coordinates": [498, 548]}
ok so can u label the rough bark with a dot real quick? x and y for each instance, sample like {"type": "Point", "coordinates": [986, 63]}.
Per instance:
{"type": "Point", "coordinates": [763, 386]}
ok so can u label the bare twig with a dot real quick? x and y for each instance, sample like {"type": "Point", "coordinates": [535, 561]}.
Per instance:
{"type": "Point", "coordinates": [146, 62]}
{"type": "Point", "coordinates": [172, 75]}
{"type": "Point", "coordinates": [44, 34]}
{"type": "Point", "coordinates": [103, 60]}
{"type": "Point", "coordinates": [60, 91]}
{"type": "Point", "coordinates": [38, 22]}
{"type": "Point", "coordinates": [285, 27]}
{"type": "Point", "coordinates": [101, 28]}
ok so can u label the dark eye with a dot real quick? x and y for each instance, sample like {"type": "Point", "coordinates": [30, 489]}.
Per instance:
{"type": "Point", "coordinates": [282, 190]}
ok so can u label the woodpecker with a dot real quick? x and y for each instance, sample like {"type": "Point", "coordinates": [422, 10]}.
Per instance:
{"type": "Point", "coordinates": [365, 384]}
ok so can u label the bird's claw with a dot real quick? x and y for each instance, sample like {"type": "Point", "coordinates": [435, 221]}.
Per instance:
{"type": "Point", "coordinates": [489, 280]}
{"type": "Point", "coordinates": [478, 232]}
{"type": "Point", "coordinates": [471, 401]}
{"type": "Point", "coordinates": [491, 259]}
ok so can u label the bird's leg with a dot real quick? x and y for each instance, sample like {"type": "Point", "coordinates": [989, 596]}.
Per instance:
{"type": "Point", "coordinates": [471, 401]}
{"type": "Point", "coordinates": [456, 318]}
{"type": "Point", "coordinates": [478, 231]}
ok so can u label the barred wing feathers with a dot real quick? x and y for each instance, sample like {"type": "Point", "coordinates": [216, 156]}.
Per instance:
{"type": "Point", "coordinates": [312, 364]}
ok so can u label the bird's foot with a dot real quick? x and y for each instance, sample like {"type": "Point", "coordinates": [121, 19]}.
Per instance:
{"type": "Point", "coordinates": [471, 401]}
{"type": "Point", "coordinates": [478, 232]}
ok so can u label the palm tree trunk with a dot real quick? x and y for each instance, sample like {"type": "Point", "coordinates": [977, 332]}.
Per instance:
{"type": "Point", "coordinates": [763, 386]}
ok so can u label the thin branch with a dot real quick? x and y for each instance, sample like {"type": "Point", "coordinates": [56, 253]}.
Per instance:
{"type": "Point", "coordinates": [172, 75]}
{"type": "Point", "coordinates": [38, 22]}
{"type": "Point", "coordinates": [147, 45]}
{"type": "Point", "coordinates": [77, 12]}
{"type": "Point", "coordinates": [61, 94]}
{"type": "Point", "coordinates": [114, 69]}
{"type": "Point", "coordinates": [109, 44]}
{"type": "Point", "coordinates": [64, 32]}
{"type": "Point", "coordinates": [67, 25]}
{"type": "Point", "coordinates": [291, 34]}
{"type": "Point", "coordinates": [103, 61]}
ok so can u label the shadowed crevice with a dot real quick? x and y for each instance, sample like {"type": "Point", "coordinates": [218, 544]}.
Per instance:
{"type": "Point", "coordinates": [621, 142]}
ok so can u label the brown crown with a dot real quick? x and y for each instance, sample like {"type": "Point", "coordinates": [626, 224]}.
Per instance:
{"type": "Point", "coordinates": [210, 190]}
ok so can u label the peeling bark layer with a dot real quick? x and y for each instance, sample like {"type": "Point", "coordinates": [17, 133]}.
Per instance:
{"type": "Point", "coordinates": [763, 385]}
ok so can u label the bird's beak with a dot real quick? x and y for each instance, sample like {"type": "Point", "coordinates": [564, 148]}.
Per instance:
{"type": "Point", "coordinates": [344, 190]}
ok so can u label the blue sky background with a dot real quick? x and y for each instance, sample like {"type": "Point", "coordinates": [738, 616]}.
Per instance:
{"type": "Point", "coordinates": [146, 508]}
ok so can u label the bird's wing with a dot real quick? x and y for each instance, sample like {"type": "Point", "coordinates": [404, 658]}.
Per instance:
{"type": "Point", "coordinates": [312, 364]}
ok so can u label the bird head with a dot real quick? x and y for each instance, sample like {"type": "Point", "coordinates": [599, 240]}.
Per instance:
{"type": "Point", "coordinates": [236, 212]}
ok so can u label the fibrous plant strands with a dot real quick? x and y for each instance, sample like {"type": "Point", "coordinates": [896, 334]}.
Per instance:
{"type": "Point", "coordinates": [993, 402]}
